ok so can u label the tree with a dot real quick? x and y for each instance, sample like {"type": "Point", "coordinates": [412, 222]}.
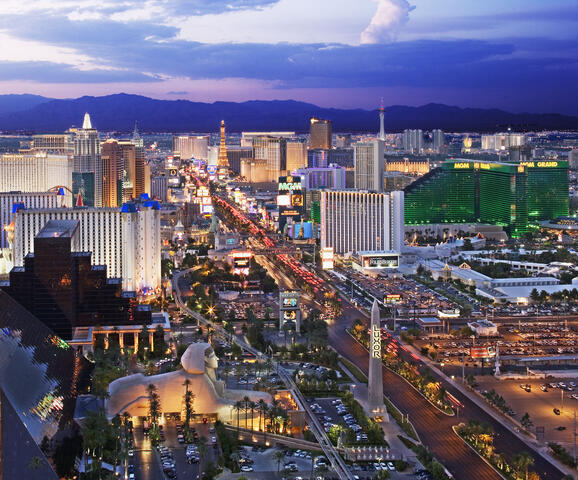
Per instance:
{"type": "Point", "coordinates": [189, 399]}
{"type": "Point", "coordinates": [522, 462]}
{"type": "Point", "coordinates": [535, 295]}
{"type": "Point", "coordinates": [279, 456]}
{"type": "Point", "coordinates": [526, 421]}
{"type": "Point", "coordinates": [154, 403]}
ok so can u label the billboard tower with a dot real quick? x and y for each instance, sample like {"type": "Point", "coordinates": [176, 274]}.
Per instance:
{"type": "Point", "coordinates": [375, 404]}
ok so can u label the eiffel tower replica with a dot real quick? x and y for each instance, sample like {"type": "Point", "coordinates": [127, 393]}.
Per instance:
{"type": "Point", "coordinates": [223, 161]}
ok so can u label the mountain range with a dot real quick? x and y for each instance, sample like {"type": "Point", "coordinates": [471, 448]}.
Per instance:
{"type": "Point", "coordinates": [31, 113]}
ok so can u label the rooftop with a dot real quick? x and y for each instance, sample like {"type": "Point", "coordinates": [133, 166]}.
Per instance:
{"type": "Point", "coordinates": [58, 229]}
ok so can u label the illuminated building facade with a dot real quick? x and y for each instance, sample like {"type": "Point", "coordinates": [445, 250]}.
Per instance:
{"type": "Point", "coordinates": [354, 221]}
{"type": "Point", "coordinates": [40, 377]}
{"type": "Point", "coordinates": [126, 240]}
{"type": "Point", "coordinates": [369, 165]}
{"type": "Point", "coordinates": [406, 166]}
{"type": "Point", "coordinates": [195, 146]}
{"type": "Point", "coordinates": [87, 162]}
{"type": "Point", "coordinates": [332, 177]}
{"type": "Point", "coordinates": [112, 168]}
{"type": "Point", "coordinates": [11, 202]}
{"type": "Point", "coordinates": [296, 155]}
{"type": "Point", "coordinates": [274, 152]}
{"type": "Point", "coordinates": [320, 132]}
{"type": "Point", "coordinates": [61, 288]}
{"type": "Point", "coordinates": [511, 195]}
{"type": "Point", "coordinates": [35, 173]}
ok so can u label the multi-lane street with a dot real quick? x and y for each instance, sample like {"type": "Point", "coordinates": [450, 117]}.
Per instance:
{"type": "Point", "coordinates": [434, 428]}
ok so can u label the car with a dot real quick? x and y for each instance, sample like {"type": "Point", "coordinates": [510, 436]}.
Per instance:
{"type": "Point", "coordinates": [214, 439]}
{"type": "Point", "coordinates": [246, 468]}
{"type": "Point", "coordinates": [131, 453]}
{"type": "Point", "coordinates": [391, 466]}
{"type": "Point", "coordinates": [556, 411]}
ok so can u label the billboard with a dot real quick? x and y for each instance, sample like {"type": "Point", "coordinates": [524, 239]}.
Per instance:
{"type": "Point", "coordinates": [241, 262]}
{"type": "Point", "coordinates": [392, 298]}
{"type": "Point", "coordinates": [284, 200]}
{"type": "Point", "coordinates": [488, 351]}
{"type": "Point", "coordinates": [212, 169]}
{"type": "Point", "coordinates": [380, 260]}
{"type": "Point", "coordinates": [327, 257]}
{"type": "Point", "coordinates": [289, 309]}
{"type": "Point", "coordinates": [303, 231]}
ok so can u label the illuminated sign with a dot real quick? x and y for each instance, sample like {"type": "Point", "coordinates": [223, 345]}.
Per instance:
{"type": "Point", "coordinates": [540, 164]}
{"type": "Point", "coordinates": [207, 209]}
{"type": "Point", "coordinates": [212, 169]}
{"type": "Point", "coordinates": [392, 298]}
{"type": "Point", "coordinates": [290, 315]}
{"type": "Point", "coordinates": [483, 352]}
{"type": "Point", "coordinates": [462, 165]}
{"type": "Point", "coordinates": [289, 300]}
{"type": "Point", "coordinates": [289, 187]}
{"type": "Point", "coordinates": [375, 341]}
{"type": "Point", "coordinates": [289, 184]}
{"type": "Point", "coordinates": [327, 258]}
{"type": "Point", "coordinates": [296, 200]}
{"type": "Point", "coordinates": [290, 213]}
{"type": "Point", "coordinates": [380, 261]}
{"type": "Point", "coordinates": [173, 172]}
{"type": "Point", "coordinates": [284, 200]}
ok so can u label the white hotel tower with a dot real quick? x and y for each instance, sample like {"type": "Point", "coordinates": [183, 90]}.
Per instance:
{"type": "Point", "coordinates": [353, 221]}
{"type": "Point", "coordinates": [126, 240]}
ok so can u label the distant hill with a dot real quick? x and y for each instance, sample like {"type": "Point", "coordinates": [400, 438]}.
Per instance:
{"type": "Point", "coordinates": [18, 103]}
{"type": "Point", "coordinates": [119, 112]}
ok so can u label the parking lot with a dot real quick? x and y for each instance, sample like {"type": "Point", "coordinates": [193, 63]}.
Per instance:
{"type": "Point", "coordinates": [540, 405]}
{"type": "Point", "coordinates": [148, 462]}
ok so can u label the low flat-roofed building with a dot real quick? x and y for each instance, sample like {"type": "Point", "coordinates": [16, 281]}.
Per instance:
{"type": "Point", "coordinates": [430, 324]}
{"type": "Point", "coordinates": [484, 328]}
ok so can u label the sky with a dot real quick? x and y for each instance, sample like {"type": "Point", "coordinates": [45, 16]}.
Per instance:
{"type": "Point", "coordinates": [518, 55]}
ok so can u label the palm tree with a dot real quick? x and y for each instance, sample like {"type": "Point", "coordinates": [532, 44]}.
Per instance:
{"type": "Point", "coordinates": [278, 455]}
{"type": "Point", "coordinates": [238, 407]}
{"type": "Point", "coordinates": [522, 462]}
{"type": "Point", "coordinates": [252, 406]}
{"type": "Point", "coordinates": [261, 406]}
{"type": "Point", "coordinates": [202, 453]}
{"type": "Point", "coordinates": [246, 403]}
{"type": "Point", "coordinates": [154, 403]}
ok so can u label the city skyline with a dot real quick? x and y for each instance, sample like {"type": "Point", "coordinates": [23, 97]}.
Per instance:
{"type": "Point", "coordinates": [517, 57]}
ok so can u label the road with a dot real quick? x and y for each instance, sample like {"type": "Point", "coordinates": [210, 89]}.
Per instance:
{"type": "Point", "coordinates": [328, 449]}
{"type": "Point", "coordinates": [433, 427]}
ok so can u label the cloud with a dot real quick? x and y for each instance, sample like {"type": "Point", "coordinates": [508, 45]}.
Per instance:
{"type": "Point", "coordinates": [390, 17]}
{"type": "Point", "coordinates": [50, 72]}
{"type": "Point", "coordinates": [130, 8]}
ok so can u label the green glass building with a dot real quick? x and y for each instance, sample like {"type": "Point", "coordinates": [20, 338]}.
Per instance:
{"type": "Point", "coordinates": [512, 195]}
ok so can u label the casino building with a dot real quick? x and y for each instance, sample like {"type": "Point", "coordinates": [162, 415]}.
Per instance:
{"type": "Point", "coordinates": [512, 195]}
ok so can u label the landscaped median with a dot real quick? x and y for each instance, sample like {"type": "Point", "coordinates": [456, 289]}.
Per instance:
{"type": "Point", "coordinates": [422, 381]}
{"type": "Point", "coordinates": [480, 437]}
